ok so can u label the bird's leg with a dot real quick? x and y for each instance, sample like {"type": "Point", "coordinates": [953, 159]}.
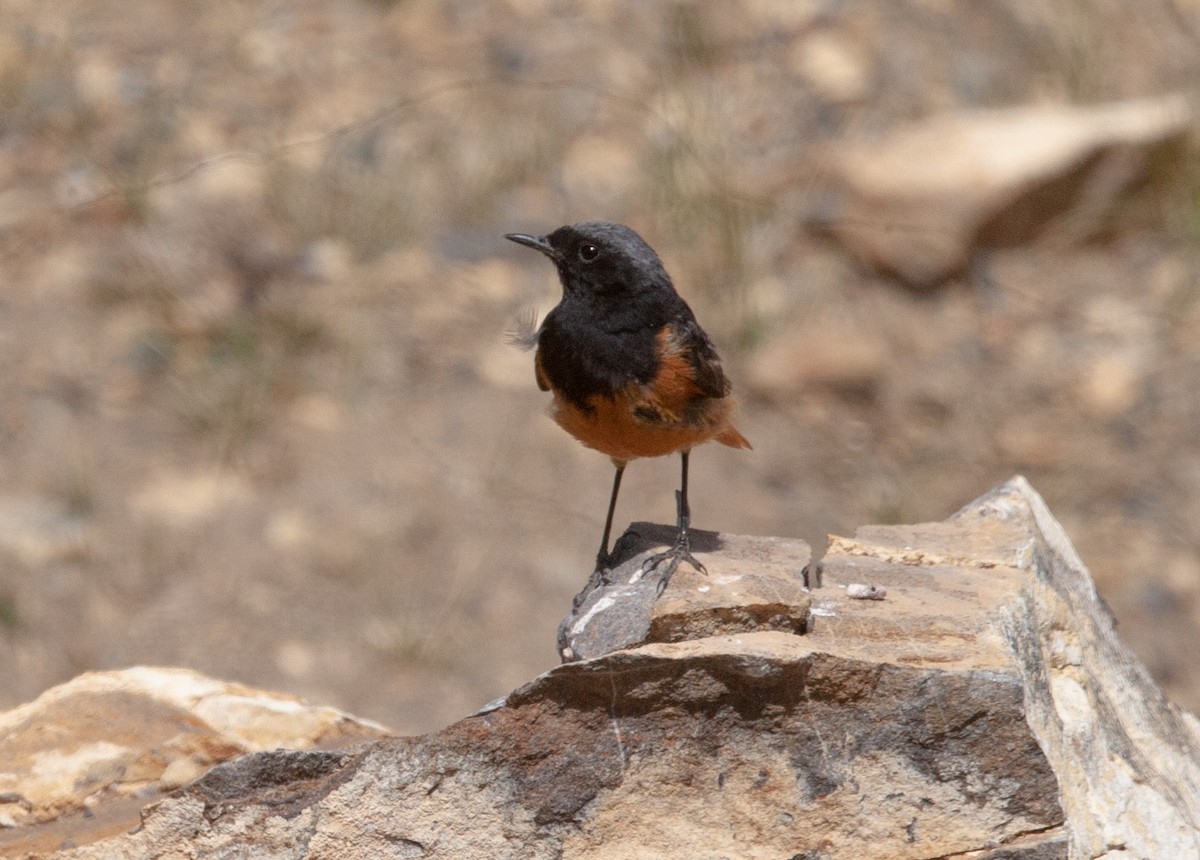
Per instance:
{"type": "Point", "coordinates": [682, 551]}
{"type": "Point", "coordinates": [602, 558]}
{"type": "Point", "coordinates": [600, 572]}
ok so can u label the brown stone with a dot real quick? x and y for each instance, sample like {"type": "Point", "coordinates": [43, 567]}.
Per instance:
{"type": "Point", "coordinates": [982, 708]}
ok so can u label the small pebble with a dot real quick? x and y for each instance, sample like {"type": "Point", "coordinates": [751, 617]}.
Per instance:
{"type": "Point", "coordinates": [861, 591]}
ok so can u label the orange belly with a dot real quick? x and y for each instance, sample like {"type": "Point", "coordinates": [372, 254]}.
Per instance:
{"type": "Point", "coordinates": [615, 427]}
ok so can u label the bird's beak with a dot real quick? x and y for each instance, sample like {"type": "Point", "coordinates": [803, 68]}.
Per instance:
{"type": "Point", "coordinates": [538, 243]}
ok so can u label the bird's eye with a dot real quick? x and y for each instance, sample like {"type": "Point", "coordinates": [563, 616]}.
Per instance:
{"type": "Point", "coordinates": [588, 252]}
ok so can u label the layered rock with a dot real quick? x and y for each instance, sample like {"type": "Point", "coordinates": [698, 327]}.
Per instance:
{"type": "Point", "coordinates": [949, 689]}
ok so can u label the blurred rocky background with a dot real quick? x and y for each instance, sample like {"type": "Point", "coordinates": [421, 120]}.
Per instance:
{"type": "Point", "coordinates": [257, 415]}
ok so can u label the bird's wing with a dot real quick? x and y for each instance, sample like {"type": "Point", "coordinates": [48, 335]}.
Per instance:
{"type": "Point", "coordinates": [689, 342]}
{"type": "Point", "coordinates": [689, 379]}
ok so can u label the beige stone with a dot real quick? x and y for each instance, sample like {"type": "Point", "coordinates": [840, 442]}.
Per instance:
{"type": "Point", "coordinates": [921, 200]}
{"type": "Point", "coordinates": [85, 756]}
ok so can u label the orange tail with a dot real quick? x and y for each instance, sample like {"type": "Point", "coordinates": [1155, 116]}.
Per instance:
{"type": "Point", "coordinates": [731, 437]}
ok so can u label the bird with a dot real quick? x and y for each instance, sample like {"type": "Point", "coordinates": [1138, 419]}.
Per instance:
{"type": "Point", "coordinates": [632, 373]}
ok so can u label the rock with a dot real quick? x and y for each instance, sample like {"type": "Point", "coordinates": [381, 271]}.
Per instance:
{"type": "Point", "coordinates": [183, 500]}
{"type": "Point", "coordinates": [752, 584]}
{"type": "Point", "coordinates": [834, 65]}
{"type": "Point", "coordinates": [328, 260]}
{"type": "Point", "coordinates": [841, 356]}
{"type": "Point", "coordinates": [918, 202]}
{"type": "Point", "coordinates": [84, 758]}
{"type": "Point", "coordinates": [39, 531]}
{"type": "Point", "coordinates": [984, 707]}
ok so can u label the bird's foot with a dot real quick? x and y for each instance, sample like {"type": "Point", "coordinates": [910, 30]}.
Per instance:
{"type": "Point", "coordinates": [672, 558]}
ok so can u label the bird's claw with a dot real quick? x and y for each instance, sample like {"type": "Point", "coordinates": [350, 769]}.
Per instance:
{"type": "Point", "coordinates": [679, 553]}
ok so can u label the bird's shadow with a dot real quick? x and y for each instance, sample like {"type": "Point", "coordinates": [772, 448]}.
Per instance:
{"type": "Point", "coordinates": [643, 537]}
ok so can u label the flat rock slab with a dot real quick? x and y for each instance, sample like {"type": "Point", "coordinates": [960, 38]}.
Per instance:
{"type": "Point", "coordinates": [750, 584]}
{"type": "Point", "coordinates": [941, 587]}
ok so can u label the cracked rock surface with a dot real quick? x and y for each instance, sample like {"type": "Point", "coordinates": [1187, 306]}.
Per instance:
{"type": "Point", "coordinates": [982, 708]}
